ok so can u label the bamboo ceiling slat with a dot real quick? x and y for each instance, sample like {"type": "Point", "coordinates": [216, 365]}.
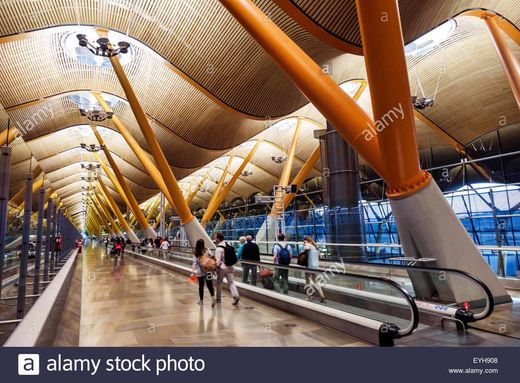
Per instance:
{"type": "Point", "coordinates": [339, 17]}
{"type": "Point", "coordinates": [203, 41]}
{"type": "Point", "coordinates": [37, 67]}
{"type": "Point", "coordinates": [200, 38]}
{"type": "Point", "coordinates": [474, 96]}
{"type": "Point", "coordinates": [65, 113]}
{"type": "Point", "coordinates": [4, 118]}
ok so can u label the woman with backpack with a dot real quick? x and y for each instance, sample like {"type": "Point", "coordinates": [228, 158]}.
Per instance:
{"type": "Point", "coordinates": [203, 266]}
{"type": "Point", "coordinates": [313, 262]}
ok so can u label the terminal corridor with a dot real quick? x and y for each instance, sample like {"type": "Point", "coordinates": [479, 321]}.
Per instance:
{"type": "Point", "coordinates": [349, 169]}
{"type": "Point", "coordinates": [136, 303]}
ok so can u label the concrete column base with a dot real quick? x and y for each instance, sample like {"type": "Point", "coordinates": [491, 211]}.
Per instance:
{"type": "Point", "coordinates": [195, 231]}
{"type": "Point", "coordinates": [429, 228]}
{"type": "Point", "coordinates": [132, 237]}
{"type": "Point", "coordinates": [150, 232]}
{"type": "Point", "coordinates": [266, 233]}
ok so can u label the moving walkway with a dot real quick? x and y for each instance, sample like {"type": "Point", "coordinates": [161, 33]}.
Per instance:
{"type": "Point", "coordinates": [374, 302]}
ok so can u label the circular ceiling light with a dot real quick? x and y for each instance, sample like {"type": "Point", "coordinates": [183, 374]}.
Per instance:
{"type": "Point", "coordinates": [427, 42]}
{"type": "Point", "coordinates": [69, 43]}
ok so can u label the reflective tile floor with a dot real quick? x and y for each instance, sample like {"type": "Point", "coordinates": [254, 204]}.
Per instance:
{"type": "Point", "coordinates": [137, 304]}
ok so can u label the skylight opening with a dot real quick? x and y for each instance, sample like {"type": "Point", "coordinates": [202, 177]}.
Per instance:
{"type": "Point", "coordinates": [428, 42]}
{"type": "Point", "coordinates": [87, 101]}
{"type": "Point", "coordinates": [70, 45]}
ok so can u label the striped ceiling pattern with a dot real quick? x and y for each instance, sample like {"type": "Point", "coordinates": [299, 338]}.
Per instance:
{"type": "Point", "coordinates": [339, 18]}
{"type": "Point", "coordinates": [199, 38]}
{"type": "Point", "coordinates": [474, 96]}
{"type": "Point", "coordinates": [207, 86]}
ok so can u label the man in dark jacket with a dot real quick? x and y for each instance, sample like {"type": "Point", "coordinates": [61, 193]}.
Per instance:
{"type": "Point", "coordinates": [250, 252]}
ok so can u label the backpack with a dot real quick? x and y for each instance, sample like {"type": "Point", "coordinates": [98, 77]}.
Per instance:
{"type": "Point", "coordinates": [207, 263]}
{"type": "Point", "coordinates": [284, 257]}
{"type": "Point", "coordinates": [230, 255]}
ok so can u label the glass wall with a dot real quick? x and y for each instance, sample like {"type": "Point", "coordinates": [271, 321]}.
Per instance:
{"type": "Point", "coordinates": [483, 189]}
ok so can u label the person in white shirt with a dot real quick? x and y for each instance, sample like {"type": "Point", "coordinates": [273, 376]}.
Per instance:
{"type": "Point", "coordinates": [165, 245]}
{"type": "Point", "coordinates": [313, 262]}
{"type": "Point", "coordinates": [224, 271]}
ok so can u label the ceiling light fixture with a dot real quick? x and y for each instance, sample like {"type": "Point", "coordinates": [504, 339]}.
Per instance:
{"type": "Point", "coordinates": [103, 47]}
{"type": "Point", "coordinates": [95, 115]}
{"type": "Point", "coordinates": [92, 148]}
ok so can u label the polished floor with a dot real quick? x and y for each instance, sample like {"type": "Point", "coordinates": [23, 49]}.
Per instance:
{"type": "Point", "coordinates": [133, 303]}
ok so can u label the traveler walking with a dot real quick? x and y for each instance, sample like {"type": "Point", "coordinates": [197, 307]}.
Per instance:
{"type": "Point", "coordinates": [165, 245]}
{"type": "Point", "coordinates": [250, 252]}
{"type": "Point", "coordinates": [203, 266]}
{"type": "Point", "coordinates": [282, 253]}
{"type": "Point", "coordinates": [242, 242]}
{"type": "Point", "coordinates": [226, 257]}
{"type": "Point", "coordinates": [313, 262]}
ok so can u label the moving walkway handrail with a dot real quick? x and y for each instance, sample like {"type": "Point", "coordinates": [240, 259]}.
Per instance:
{"type": "Point", "coordinates": [464, 315]}
{"type": "Point", "coordinates": [414, 311]}
{"type": "Point", "coordinates": [490, 302]}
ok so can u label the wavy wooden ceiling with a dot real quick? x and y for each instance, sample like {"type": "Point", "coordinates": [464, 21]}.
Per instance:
{"type": "Point", "coordinates": [210, 76]}
{"type": "Point", "coordinates": [339, 17]}
{"type": "Point", "coordinates": [199, 38]}
{"type": "Point", "coordinates": [474, 95]}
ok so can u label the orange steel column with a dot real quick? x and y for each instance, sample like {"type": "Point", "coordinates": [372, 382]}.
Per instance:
{"type": "Point", "coordinates": [210, 213]}
{"type": "Point", "coordinates": [153, 209]}
{"type": "Point", "coordinates": [138, 151]}
{"type": "Point", "coordinates": [385, 62]}
{"type": "Point", "coordinates": [8, 138]}
{"type": "Point", "coordinates": [102, 221]}
{"type": "Point", "coordinates": [166, 172]}
{"type": "Point", "coordinates": [125, 193]}
{"type": "Point", "coordinates": [88, 227]}
{"type": "Point", "coordinates": [348, 118]}
{"type": "Point", "coordinates": [99, 207]}
{"type": "Point", "coordinates": [302, 175]}
{"type": "Point", "coordinates": [286, 172]}
{"type": "Point", "coordinates": [92, 219]}
{"type": "Point", "coordinates": [90, 224]}
{"type": "Point", "coordinates": [112, 179]}
{"type": "Point", "coordinates": [508, 59]}
{"type": "Point", "coordinates": [158, 217]}
{"type": "Point", "coordinates": [454, 143]}
{"type": "Point", "coordinates": [216, 194]}
{"type": "Point", "coordinates": [113, 205]}
{"type": "Point", "coordinates": [104, 210]}
{"type": "Point", "coordinates": [199, 185]}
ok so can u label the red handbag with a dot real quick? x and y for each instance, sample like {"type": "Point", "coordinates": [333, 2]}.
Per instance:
{"type": "Point", "coordinates": [265, 272]}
